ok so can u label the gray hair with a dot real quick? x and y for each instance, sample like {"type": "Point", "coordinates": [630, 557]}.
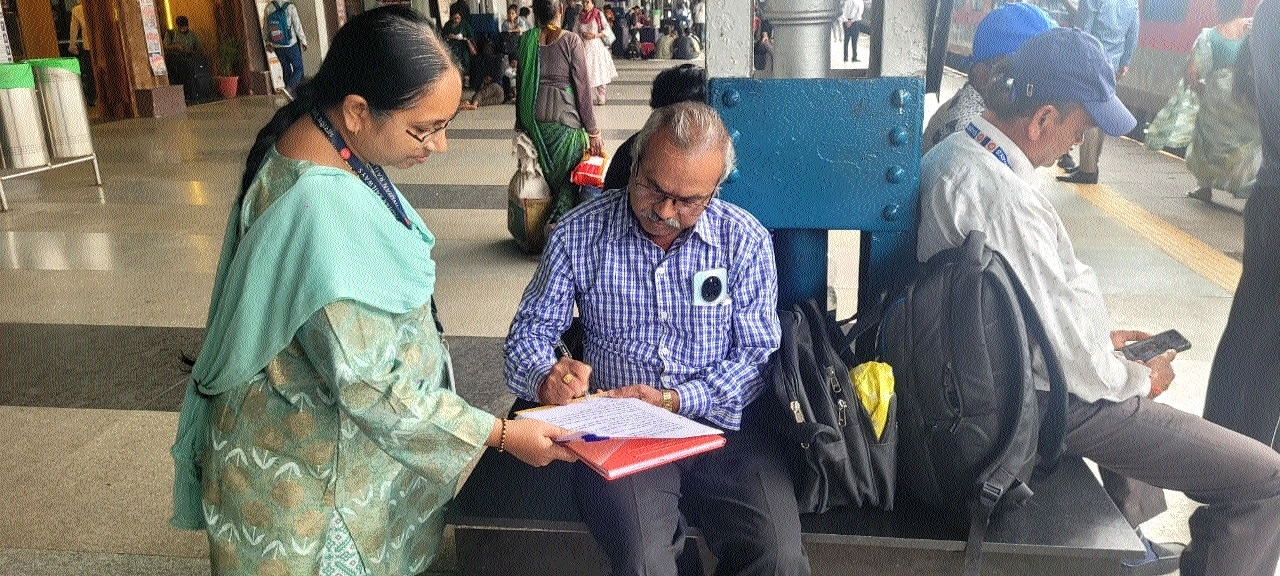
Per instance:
{"type": "Point", "coordinates": [693, 127]}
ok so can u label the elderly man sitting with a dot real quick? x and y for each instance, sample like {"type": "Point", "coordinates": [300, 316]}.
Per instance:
{"type": "Point", "coordinates": [677, 291]}
{"type": "Point", "coordinates": [1058, 85]}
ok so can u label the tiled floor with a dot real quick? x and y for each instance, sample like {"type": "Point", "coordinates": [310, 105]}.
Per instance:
{"type": "Point", "coordinates": [102, 290]}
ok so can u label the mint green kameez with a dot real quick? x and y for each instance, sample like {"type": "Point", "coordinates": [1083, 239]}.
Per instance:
{"type": "Point", "coordinates": [338, 455]}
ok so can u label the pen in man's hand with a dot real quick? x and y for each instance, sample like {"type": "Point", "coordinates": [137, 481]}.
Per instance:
{"type": "Point", "coordinates": [563, 350]}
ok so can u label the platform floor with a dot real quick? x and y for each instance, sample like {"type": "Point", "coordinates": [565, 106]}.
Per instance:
{"type": "Point", "coordinates": [101, 290]}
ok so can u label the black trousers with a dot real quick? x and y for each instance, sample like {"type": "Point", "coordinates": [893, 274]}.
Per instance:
{"type": "Point", "coordinates": [740, 496]}
{"type": "Point", "coordinates": [851, 38]}
{"type": "Point", "coordinates": [1244, 385]}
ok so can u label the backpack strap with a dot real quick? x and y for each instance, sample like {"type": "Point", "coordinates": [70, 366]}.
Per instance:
{"type": "Point", "coordinates": [1051, 432]}
{"type": "Point", "coordinates": [1053, 429]}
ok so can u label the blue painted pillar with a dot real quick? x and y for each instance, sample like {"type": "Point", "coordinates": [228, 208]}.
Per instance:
{"type": "Point", "coordinates": [802, 265]}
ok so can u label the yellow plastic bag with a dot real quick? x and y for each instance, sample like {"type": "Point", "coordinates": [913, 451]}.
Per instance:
{"type": "Point", "coordinates": [874, 383]}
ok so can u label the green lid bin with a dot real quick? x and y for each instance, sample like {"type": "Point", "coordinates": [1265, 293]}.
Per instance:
{"type": "Point", "coordinates": [68, 64]}
{"type": "Point", "coordinates": [16, 76]}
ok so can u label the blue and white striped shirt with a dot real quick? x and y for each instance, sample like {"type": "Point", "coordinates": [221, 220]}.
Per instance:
{"type": "Point", "coordinates": [636, 302]}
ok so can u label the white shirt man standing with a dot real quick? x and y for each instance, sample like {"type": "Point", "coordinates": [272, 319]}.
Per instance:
{"type": "Point", "coordinates": [1061, 84]}
{"type": "Point", "coordinates": [850, 14]}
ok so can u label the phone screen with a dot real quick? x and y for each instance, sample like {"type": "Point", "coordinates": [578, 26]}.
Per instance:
{"type": "Point", "coordinates": [1145, 350]}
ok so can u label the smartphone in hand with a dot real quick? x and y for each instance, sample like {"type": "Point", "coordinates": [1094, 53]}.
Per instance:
{"type": "Point", "coordinates": [1145, 350]}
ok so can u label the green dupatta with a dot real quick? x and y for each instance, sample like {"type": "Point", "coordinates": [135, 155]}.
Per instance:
{"type": "Point", "coordinates": [327, 238]}
{"type": "Point", "coordinates": [559, 147]}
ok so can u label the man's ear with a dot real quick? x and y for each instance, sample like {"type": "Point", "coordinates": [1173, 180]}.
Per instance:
{"type": "Point", "coordinates": [1040, 120]}
{"type": "Point", "coordinates": [354, 111]}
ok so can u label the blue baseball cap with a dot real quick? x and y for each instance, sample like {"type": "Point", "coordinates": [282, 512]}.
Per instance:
{"type": "Point", "coordinates": [1068, 65]}
{"type": "Point", "coordinates": [1004, 30]}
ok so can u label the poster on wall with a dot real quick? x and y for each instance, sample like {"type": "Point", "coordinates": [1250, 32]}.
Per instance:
{"type": "Point", "coordinates": [6, 51]}
{"type": "Point", "coordinates": [273, 63]}
{"type": "Point", "coordinates": [151, 31]}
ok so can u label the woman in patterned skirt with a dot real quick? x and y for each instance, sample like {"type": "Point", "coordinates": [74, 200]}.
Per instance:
{"type": "Point", "coordinates": [320, 433]}
{"type": "Point", "coordinates": [594, 29]}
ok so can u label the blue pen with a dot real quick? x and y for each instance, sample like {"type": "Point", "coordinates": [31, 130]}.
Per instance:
{"type": "Point", "coordinates": [587, 437]}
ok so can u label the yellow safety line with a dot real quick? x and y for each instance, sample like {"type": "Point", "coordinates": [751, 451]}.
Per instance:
{"type": "Point", "coordinates": [1201, 258]}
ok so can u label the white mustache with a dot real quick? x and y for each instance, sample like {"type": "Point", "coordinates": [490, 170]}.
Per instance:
{"type": "Point", "coordinates": [673, 223]}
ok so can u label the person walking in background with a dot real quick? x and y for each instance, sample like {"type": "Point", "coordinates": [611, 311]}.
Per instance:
{"type": "Point", "coordinates": [318, 392]}
{"type": "Point", "coordinates": [283, 30]}
{"type": "Point", "coordinates": [594, 30]}
{"type": "Point", "coordinates": [1244, 384]}
{"type": "Point", "coordinates": [81, 47]}
{"type": "Point", "coordinates": [700, 20]}
{"type": "Point", "coordinates": [553, 107]}
{"type": "Point", "coordinates": [850, 15]}
{"type": "Point", "coordinates": [1226, 147]}
{"type": "Point", "coordinates": [1115, 24]}
{"type": "Point", "coordinates": [1000, 33]}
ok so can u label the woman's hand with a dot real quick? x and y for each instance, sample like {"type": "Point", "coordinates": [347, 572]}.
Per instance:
{"type": "Point", "coordinates": [595, 145]}
{"type": "Point", "coordinates": [531, 441]}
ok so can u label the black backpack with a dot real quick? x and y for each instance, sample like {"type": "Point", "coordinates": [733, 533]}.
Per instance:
{"type": "Point", "coordinates": [835, 456]}
{"type": "Point", "coordinates": [970, 429]}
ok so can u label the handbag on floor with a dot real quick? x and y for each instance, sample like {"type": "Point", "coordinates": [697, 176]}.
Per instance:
{"type": "Point", "coordinates": [528, 197]}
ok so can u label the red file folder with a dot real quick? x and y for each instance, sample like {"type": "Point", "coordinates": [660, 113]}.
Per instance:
{"type": "Point", "coordinates": [620, 457]}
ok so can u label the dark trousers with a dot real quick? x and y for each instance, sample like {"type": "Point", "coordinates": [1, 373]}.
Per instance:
{"type": "Point", "coordinates": [740, 496]}
{"type": "Point", "coordinates": [1237, 531]}
{"type": "Point", "coordinates": [86, 77]}
{"type": "Point", "coordinates": [851, 39]}
{"type": "Point", "coordinates": [291, 64]}
{"type": "Point", "coordinates": [1244, 385]}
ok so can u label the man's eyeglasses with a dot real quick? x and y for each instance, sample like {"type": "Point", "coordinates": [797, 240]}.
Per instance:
{"type": "Point", "coordinates": [653, 195]}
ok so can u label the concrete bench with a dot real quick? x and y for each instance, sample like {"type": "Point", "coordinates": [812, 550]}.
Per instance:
{"type": "Point", "coordinates": [512, 519]}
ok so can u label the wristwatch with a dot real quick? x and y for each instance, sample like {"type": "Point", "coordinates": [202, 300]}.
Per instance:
{"type": "Point", "coordinates": [668, 400]}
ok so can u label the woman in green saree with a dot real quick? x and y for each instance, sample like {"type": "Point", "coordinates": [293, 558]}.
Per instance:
{"type": "Point", "coordinates": [320, 433]}
{"type": "Point", "coordinates": [1226, 146]}
{"type": "Point", "coordinates": [554, 107]}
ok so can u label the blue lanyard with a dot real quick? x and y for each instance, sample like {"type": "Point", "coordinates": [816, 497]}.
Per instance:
{"type": "Point", "coordinates": [372, 175]}
{"type": "Point", "coordinates": [986, 142]}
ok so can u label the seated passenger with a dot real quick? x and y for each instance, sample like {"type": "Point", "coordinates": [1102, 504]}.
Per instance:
{"type": "Point", "coordinates": [686, 47]}
{"type": "Point", "coordinates": [182, 39]}
{"type": "Point", "coordinates": [682, 83]}
{"type": "Point", "coordinates": [628, 260]}
{"type": "Point", "coordinates": [999, 34]}
{"type": "Point", "coordinates": [1058, 85]}
{"type": "Point", "coordinates": [666, 44]}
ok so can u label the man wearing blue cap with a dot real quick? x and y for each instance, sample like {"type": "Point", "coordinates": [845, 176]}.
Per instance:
{"type": "Point", "coordinates": [1001, 32]}
{"type": "Point", "coordinates": [1058, 85]}
{"type": "Point", "coordinates": [1115, 24]}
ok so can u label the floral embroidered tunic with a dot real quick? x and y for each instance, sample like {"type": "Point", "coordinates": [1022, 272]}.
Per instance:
{"type": "Point", "coordinates": [338, 457]}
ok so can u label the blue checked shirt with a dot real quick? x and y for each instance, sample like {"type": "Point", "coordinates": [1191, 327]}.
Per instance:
{"type": "Point", "coordinates": [636, 303]}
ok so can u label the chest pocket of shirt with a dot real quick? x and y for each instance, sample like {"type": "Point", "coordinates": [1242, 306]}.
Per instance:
{"type": "Point", "coordinates": [712, 327]}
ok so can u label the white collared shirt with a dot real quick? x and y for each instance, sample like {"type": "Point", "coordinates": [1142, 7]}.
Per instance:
{"type": "Point", "coordinates": [965, 187]}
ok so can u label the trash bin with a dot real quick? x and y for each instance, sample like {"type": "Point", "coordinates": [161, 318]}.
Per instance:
{"type": "Point", "coordinates": [21, 134]}
{"type": "Point", "coordinates": [62, 100]}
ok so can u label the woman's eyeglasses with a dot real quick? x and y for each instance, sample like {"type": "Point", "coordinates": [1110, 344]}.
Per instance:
{"type": "Point", "coordinates": [422, 137]}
